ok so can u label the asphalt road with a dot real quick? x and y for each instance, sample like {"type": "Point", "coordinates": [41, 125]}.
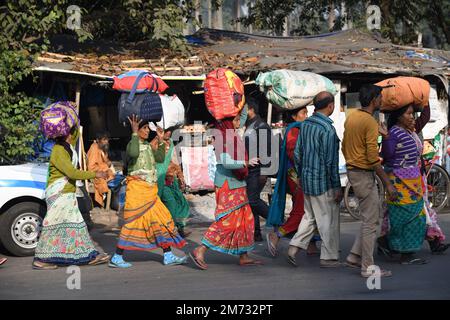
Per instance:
{"type": "Point", "coordinates": [149, 279]}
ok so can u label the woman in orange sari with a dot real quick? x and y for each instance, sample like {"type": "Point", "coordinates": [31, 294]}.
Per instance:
{"type": "Point", "coordinates": [233, 231]}
{"type": "Point", "coordinates": [148, 223]}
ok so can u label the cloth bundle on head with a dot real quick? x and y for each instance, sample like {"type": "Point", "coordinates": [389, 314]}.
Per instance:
{"type": "Point", "coordinates": [232, 141]}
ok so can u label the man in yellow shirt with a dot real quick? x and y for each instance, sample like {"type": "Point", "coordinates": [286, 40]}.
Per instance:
{"type": "Point", "coordinates": [360, 148]}
{"type": "Point", "coordinates": [98, 160]}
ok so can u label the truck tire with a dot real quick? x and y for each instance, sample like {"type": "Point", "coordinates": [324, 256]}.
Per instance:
{"type": "Point", "coordinates": [20, 226]}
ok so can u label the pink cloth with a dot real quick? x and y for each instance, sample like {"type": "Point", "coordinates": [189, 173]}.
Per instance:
{"type": "Point", "coordinates": [195, 168]}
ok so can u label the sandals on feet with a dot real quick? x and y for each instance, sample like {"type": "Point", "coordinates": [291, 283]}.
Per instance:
{"type": "Point", "coordinates": [440, 249]}
{"type": "Point", "coordinates": [251, 263]}
{"type": "Point", "coordinates": [37, 265]}
{"type": "Point", "coordinates": [383, 273]}
{"type": "Point", "coordinates": [270, 246]}
{"type": "Point", "coordinates": [100, 259]}
{"type": "Point", "coordinates": [199, 263]}
{"type": "Point", "coordinates": [291, 260]}
{"type": "Point", "coordinates": [414, 261]}
{"type": "Point", "coordinates": [351, 264]}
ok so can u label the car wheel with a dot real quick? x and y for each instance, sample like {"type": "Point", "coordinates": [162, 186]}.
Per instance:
{"type": "Point", "coordinates": [20, 227]}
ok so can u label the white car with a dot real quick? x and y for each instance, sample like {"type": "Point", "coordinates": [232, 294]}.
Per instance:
{"type": "Point", "coordinates": [22, 206]}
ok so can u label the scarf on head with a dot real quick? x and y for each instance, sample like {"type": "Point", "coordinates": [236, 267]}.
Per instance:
{"type": "Point", "coordinates": [233, 143]}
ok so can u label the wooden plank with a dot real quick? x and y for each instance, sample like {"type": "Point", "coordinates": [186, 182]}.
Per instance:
{"type": "Point", "coordinates": [64, 56]}
{"type": "Point", "coordinates": [165, 69]}
{"type": "Point", "coordinates": [50, 60]}
{"type": "Point", "coordinates": [182, 67]}
{"type": "Point", "coordinates": [136, 61]}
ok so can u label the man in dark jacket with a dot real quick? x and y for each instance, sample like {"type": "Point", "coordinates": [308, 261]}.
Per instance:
{"type": "Point", "coordinates": [258, 137]}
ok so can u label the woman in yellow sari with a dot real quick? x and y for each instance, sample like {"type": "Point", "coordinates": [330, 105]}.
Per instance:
{"type": "Point", "coordinates": [148, 223]}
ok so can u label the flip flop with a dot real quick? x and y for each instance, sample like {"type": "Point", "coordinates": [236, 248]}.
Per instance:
{"type": "Point", "coordinates": [251, 263]}
{"type": "Point", "coordinates": [44, 266]}
{"type": "Point", "coordinates": [100, 259]}
{"type": "Point", "coordinates": [3, 260]}
{"type": "Point", "coordinates": [384, 251]}
{"type": "Point", "coordinates": [415, 261]}
{"type": "Point", "coordinates": [354, 265]}
{"type": "Point", "coordinates": [440, 250]}
{"type": "Point", "coordinates": [200, 264]}
{"type": "Point", "coordinates": [291, 260]}
{"type": "Point", "coordinates": [272, 249]}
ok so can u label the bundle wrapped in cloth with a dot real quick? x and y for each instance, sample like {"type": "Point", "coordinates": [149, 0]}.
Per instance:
{"type": "Point", "coordinates": [224, 93]}
{"type": "Point", "coordinates": [291, 90]}
{"type": "Point", "coordinates": [57, 119]}
{"type": "Point", "coordinates": [402, 91]}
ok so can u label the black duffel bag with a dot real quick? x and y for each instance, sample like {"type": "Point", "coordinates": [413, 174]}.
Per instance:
{"type": "Point", "coordinates": [146, 105]}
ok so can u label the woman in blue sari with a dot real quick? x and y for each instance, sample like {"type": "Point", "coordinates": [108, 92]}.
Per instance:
{"type": "Point", "coordinates": [287, 182]}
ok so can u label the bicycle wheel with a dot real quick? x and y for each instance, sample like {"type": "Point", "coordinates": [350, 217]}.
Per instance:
{"type": "Point", "coordinates": [438, 182]}
{"type": "Point", "coordinates": [352, 202]}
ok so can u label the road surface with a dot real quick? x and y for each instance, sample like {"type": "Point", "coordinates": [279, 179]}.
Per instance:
{"type": "Point", "coordinates": [149, 279]}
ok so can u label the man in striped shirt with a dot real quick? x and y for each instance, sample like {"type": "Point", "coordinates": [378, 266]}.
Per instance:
{"type": "Point", "coordinates": [317, 160]}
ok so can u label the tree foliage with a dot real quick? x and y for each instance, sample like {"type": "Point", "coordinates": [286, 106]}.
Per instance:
{"type": "Point", "coordinates": [25, 26]}
{"type": "Point", "coordinates": [401, 19]}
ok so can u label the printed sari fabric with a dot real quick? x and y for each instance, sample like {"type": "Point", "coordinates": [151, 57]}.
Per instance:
{"type": "Point", "coordinates": [169, 190]}
{"type": "Point", "coordinates": [434, 231]}
{"type": "Point", "coordinates": [298, 200]}
{"type": "Point", "coordinates": [287, 182]}
{"type": "Point", "coordinates": [407, 217]}
{"type": "Point", "coordinates": [176, 203]}
{"type": "Point", "coordinates": [233, 230]}
{"type": "Point", "coordinates": [148, 223]}
{"type": "Point", "coordinates": [64, 237]}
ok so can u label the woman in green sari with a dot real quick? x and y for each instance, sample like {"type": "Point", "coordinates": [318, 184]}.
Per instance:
{"type": "Point", "coordinates": [170, 184]}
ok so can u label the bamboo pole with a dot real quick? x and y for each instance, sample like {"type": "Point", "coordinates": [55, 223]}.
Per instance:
{"type": "Point", "coordinates": [269, 114]}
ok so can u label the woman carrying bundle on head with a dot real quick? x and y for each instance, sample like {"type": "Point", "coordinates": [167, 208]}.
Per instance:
{"type": "Point", "coordinates": [148, 223]}
{"type": "Point", "coordinates": [233, 231]}
{"type": "Point", "coordinates": [64, 238]}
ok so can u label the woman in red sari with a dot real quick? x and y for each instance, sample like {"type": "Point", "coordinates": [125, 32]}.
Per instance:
{"type": "Point", "coordinates": [233, 229]}
{"type": "Point", "coordinates": [288, 175]}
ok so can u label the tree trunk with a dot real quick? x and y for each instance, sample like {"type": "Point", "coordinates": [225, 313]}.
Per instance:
{"type": "Point", "coordinates": [208, 3]}
{"type": "Point", "coordinates": [197, 14]}
{"type": "Point", "coordinates": [286, 27]}
{"type": "Point", "coordinates": [218, 18]}
{"type": "Point", "coordinates": [331, 16]}
{"type": "Point", "coordinates": [388, 18]}
{"type": "Point", "coordinates": [237, 10]}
